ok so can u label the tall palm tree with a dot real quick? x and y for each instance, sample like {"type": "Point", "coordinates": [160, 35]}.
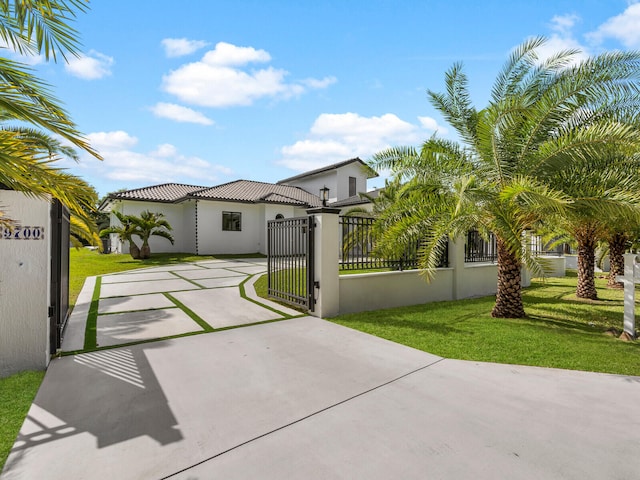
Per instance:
{"type": "Point", "coordinates": [38, 27]}
{"type": "Point", "coordinates": [542, 116]}
{"type": "Point", "coordinates": [148, 224]}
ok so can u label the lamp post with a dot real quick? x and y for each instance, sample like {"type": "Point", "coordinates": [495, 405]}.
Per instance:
{"type": "Point", "coordinates": [324, 195]}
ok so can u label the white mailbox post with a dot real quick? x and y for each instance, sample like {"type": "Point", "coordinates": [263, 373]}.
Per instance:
{"type": "Point", "coordinates": [630, 278]}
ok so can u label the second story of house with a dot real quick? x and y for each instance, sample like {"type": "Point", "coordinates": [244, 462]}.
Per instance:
{"type": "Point", "coordinates": [344, 180]}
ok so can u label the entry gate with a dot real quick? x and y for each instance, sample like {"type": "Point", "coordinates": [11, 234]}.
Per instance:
{"type": "Point", "coordinates": [290, 261]}
{"type": "Point", "coordinates": [59, 309]}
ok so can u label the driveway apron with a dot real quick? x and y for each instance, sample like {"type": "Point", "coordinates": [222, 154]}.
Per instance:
{"type": "Point", "coordinates": [306, 398]}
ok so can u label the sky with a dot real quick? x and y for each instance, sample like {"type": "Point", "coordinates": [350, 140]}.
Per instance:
{"type": "Point", "coordinates": [206, 92]}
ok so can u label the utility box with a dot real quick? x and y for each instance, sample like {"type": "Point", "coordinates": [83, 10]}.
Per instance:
{"type": "Point", "coordinates": [34, 281]}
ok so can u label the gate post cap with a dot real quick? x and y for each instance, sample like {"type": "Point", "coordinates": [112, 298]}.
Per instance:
{"type": "Point", "coordinates": [323, 210]}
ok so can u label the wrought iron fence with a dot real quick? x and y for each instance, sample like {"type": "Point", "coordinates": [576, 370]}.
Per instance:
{"type": "Point", "coordinates": [290, 261]}
{"type": "Point", "coordinates": [539, 247]}
{"type": "Point", "coordinates": [478, 249]}
{"type": "Point", "coordinates": [357, 248]}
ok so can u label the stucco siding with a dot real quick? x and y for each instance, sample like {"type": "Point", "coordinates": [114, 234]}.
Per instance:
{"type": "Point", "coordinates": [212, 239]}
{"type": "Point", "coordinates": [343, 173]}
{"type": "Point", "coordinates": [173, 213]}
{"type": "Point", "coordinates": [315, 183]}
{"type": "Point", "coordinates": [24, 288]}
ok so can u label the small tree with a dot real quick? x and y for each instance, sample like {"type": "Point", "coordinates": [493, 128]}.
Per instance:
{"type": "Point", "coordinates": [125, 230]}
{"type": "Point", "coordinates": [150, 223]}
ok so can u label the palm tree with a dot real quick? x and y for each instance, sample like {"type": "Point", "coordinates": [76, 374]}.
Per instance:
{"type": "Point", "coordinates": [542, 116]}
{"type": "Point", "coordinates": [149, 224]}
{"type": "Point", "coordinates": [40, 27]}
{"type": "Point", "coordinates": [128, 227]}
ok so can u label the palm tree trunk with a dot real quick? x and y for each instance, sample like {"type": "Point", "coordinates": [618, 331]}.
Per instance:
{"type": "Point", "coordinates": [586, 238]}
{"type": "Point", "coordinates": [134, 251]}
{"type": "Point", "coordinates": [145, 250]}
{"type": "Point", "coordinates": [509, 295]}
{"type": "Point", "coordinates": [617, 244]}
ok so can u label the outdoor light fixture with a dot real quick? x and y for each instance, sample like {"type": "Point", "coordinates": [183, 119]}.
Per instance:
{"type": "Point", "coordinates": [324, 195]}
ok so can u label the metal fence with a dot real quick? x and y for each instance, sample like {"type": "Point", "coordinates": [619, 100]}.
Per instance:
{"type": "Point", "coordinates": [357, 248]}
{"type": "Point", "coordinates": [479, 249]}
{"type": "Point", "coordinates": [290, 261]}
{"type": "Point", "coordinates": [539, 247]}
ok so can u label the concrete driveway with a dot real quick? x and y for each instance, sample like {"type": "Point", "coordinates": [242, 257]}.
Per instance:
{"type": "Point", "coordinates": [306, 398]}
{"type": "Point", "coordinates": [158, 302]}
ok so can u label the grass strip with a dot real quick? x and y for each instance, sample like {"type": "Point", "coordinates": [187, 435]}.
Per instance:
{"type": "Point", "coordinates": [243, 294]}
{"type": "Point", "coordinates": [192, 315]}
{"type": "Point", "coordinates": [91, 329]}
{"type": "Point", "coordinates": [16, 395]}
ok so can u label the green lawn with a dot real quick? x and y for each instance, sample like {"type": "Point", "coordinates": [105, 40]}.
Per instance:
{"type": "Point", "coordinates": [560, 331]}
{"type": "Point", "coordinates": [16, 394]}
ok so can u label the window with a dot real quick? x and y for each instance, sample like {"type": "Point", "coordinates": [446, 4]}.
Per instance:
{"type": "Point", "coordinates": [352, 186]}
{"type": "Point", "coordinates": [231, 221]}
{"type": "Point", "coordinates": [279, 216]}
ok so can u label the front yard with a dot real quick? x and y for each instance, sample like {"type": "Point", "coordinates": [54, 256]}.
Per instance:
{"type": "Point", "coordinates": [561, 331]}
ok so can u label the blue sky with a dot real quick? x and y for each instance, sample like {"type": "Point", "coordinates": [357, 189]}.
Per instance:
{"type": "Point", "coordinates": [207, 92]}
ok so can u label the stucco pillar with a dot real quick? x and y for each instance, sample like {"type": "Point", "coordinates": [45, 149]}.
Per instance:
{"type": "Point", "coordinates": [456, 261]}
{"type": "Point", "coordinates": [327, 290]}
{"type": "Point", "coordinates": [629, 282]}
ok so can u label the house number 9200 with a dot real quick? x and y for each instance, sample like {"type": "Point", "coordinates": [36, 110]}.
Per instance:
{"type": "Point", "coordinates": [22, 233]}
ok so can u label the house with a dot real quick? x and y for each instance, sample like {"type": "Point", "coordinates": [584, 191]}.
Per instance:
{"type": "Point", "coordinates": [232, 218]}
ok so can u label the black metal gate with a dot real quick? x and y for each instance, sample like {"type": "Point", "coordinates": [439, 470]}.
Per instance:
{"type": "Point", "coordinates": [290, 261]}
{"type": "Point", "coordinates": [59, 309]}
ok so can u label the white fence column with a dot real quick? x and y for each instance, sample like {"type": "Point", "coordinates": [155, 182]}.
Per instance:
{"type": "Point", "coordinates": [629, 280]}
{"type": "Point", "coordinates": [326, 262]}
{"type": "Point", "coordinates": [456, 262]}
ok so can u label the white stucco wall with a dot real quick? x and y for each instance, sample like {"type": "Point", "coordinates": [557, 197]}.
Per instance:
{"type": "Point", "coordinates": [315, 183]}
{"type": "Point", "coordinates": [336, 180]}
{"type": "Point", "coordinates": [478, 280]}
{"type": "Point", "coordinates": [342, 183]}
{"type": "Point", "coordinates": [212, 239]}
{"type": "Point", "coordinates": [554, 266]}
{"type": "Point", "coordinates": [179, 216]}
{"type": "Point", "coordinates": [24, 287]}
{"type": "Point", "coordinates": [374, 291]}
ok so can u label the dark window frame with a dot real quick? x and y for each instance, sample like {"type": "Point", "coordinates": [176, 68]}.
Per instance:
{"type": "Point", "coordinates": [231, 221]}
{"type": "Point", "coordinates": [353, 186]}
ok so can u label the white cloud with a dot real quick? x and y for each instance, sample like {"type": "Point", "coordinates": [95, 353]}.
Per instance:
{"type": "Point", "coordinates": [226, 54]}
{"type": "Point", "coordinates": [336, 137]}
{"type": "Point", "coordinates": [178, 47]}
{"type": "Point", "coordinates": [180, 113]}
{"type": "Point", "coordinates": [91, 66]}
{"type": "Point", "coordinates": [563, 24]}
{"type": "Point", "coordinates": [431, 125]}
{"type": "Point", "coordinates": [221, 79]}
{"type": "Point", "coordinates": [624, 27]}
{"type": "Point", "coordinates": [315, 83]}
{"type": "Point", "coordinates": [124, 163]}
{"type": "Point", "coordinates": [108, 141]}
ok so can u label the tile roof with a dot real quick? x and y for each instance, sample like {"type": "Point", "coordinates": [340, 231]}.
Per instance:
{"type": "Point", "coordinates": [351, 201]}
{"type": "Point", "coordinates": [249, 191]}
{"type": "Point", "coordinates": [166, 193]}
{"type": "Point", "coordinates": [370, 174]}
